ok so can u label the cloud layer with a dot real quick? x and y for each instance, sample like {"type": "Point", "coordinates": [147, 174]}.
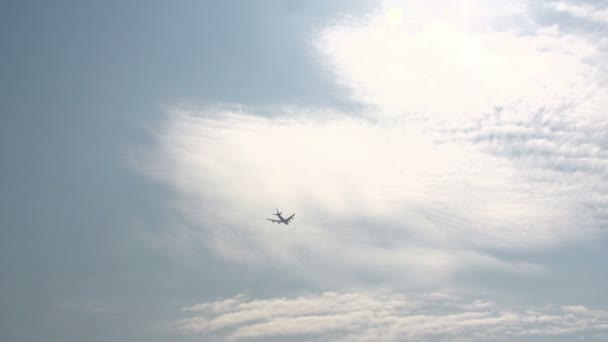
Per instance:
{"type": "Point", "coordinates": [482, 134]}
{"type": "Point", "coordinates": [386, 316]}
{"type": "Point", "coordinates": [584, 11]}
{"type": "Point", "coordinates": [461, 61]}
{"type": "Point", "coordinates": [479, 138]}
{"type": "Point", "coordinates": [386, 197]}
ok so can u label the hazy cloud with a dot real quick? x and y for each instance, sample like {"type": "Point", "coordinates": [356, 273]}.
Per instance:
{"type": "Point", "coordinates": [586, 11]}
{"type": "Point", "coordinates": [478, 138]}
{"type": "Point", "coordinates": [386, 316]}
{"type": "Point", "coordinates": [386, 197]}
{"type": "Point", "coordinates": [453, 63]}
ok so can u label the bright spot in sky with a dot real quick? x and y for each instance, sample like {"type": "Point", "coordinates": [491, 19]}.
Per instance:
{"type": "Point", "coordinates": [394, 15]}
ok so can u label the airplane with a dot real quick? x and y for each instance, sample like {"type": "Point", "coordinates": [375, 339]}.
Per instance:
{"type": "Point", "coordinates": [281, 219]}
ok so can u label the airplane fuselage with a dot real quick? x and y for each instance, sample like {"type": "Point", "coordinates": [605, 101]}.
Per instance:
{"type": "Point", "coordinates": [281, 219]}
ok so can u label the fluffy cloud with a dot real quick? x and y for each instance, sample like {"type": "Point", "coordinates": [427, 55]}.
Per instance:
{"type": "Point", "coordinates": [568, 155]}
{"type": "Point", "coordinates": [480, 138]}
{"type": "Point", "coordinates": [387, 197]}
{"type": "Point", "coordinates": [385, 316]}
{"type": "Point", "coordinates": [453, 63]}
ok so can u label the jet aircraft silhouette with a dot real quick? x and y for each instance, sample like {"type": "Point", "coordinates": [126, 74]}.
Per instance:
{"type": "Point", "coordinates": [281, 218]}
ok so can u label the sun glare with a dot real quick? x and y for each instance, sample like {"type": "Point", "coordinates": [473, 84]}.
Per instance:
{"type": "Point", "coordinates": [394, 15]}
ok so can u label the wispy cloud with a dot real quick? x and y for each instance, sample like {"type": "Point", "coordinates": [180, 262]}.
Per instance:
{"type": "Point", "coordinates": [385, 316]}
{"type": "Point", "coordinates": [551, 148]}
{"type": "Point", "coordinates": [478, 139]}
{"type": "Point", "coordinates": [594, 12]}
{"type": "Point", "coordinates": [392, 195]}
{"type": "Point", "coordinates": [433, 65]}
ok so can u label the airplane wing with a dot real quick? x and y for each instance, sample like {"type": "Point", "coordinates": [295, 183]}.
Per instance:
{"type": "Point", "coordinates": [275, 221]}
{"type": "Point", "coordinates": [290, 217]}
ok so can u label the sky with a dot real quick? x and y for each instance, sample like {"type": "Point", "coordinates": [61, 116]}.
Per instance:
{"type": "Point", "coordinates": [447, 162]}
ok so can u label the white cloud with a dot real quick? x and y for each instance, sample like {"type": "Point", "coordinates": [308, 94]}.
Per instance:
{"type": "Point", "coordinates": [583, 11]}
{"type": "Point", "coordinates": [479, 140]}
{"type": "Point", "coordinates": [386, 316]}
{"type": "Point", "coordinates": [552, 149]}
{"type": "Point", "coordinates": [387, 197]}
{"type": "Point", "coordinates": [434, 66]}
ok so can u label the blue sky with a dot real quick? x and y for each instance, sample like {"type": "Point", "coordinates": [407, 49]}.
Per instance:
{"type": "Point", "coordinates": [447, 163]}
